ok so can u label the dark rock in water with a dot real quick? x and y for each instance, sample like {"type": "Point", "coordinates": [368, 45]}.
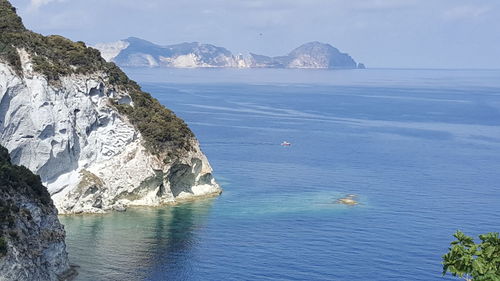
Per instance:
{"type": "Point", "coordinates": [119, 208]}
{"type": "Point", "coordinates": [361, 66]}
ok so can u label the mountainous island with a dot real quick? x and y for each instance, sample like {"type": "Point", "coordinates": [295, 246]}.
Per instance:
{"type": "Point", "coordinates": [95, 141]}
{"type": "Point", "coordinates": [136, 52]}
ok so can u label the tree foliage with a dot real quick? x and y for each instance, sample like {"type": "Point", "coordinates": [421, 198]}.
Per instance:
{"type": "Point", "coordinates": [471, 261]}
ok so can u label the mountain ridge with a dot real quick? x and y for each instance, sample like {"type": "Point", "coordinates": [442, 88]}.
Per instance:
{"type": "Point", "coordinates": [137, 52]}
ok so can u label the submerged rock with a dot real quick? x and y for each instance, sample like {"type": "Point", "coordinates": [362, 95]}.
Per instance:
{"type": "Point", "coordinates": [348, 200]}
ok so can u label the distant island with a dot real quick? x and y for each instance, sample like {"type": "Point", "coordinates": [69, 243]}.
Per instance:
{"type": "Point", "coordinates": [136, 52]}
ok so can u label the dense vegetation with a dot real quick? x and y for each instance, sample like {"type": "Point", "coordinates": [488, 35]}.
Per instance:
{"type": "Point", "coordinates": [471, 261]}
{"type": "Point", "coordinates": [163, 131]}
{"type": "Point", "coordinates": [15, 180]}
{"type": "Point", "coordinates": [55, 56]}
{"type": "Point", "coordinates": [9, 23]}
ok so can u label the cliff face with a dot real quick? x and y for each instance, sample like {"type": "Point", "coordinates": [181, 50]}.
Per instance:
{"type": "Point", "coordinates": [96, 140]}
{"type": "Point", "coordinates": [31, 238]}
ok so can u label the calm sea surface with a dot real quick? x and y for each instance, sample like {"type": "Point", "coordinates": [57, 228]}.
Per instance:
{"type": "Point", "coordinates": [421, 149]}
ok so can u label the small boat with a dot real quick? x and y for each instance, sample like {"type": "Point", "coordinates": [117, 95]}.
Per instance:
{"type": "Point", "coordinates": [285, 143]}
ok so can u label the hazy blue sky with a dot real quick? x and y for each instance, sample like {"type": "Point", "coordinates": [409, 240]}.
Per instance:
{"type": "Point", "coordinates": [380, 33]}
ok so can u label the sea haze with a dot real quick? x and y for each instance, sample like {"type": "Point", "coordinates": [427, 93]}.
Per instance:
{"type": "Point", "coordinates": [419, 148]}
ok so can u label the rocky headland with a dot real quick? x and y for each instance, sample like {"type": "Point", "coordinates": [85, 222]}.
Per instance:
{"type": "Point", "coordinates": [97, 141]}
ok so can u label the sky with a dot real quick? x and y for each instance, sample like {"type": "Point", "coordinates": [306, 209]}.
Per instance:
{"type": "Point", "coordinates": [379, 33]}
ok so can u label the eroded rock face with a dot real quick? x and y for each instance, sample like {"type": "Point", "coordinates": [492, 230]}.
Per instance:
{"type": "Point", "coordinates": [88, 155]}
{"type": "Point", "coordinates": [32, 237]}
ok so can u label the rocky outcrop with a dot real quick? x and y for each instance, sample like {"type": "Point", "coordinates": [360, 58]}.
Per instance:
{"type": "Point", "coordinates": [135, 52]}
{"type": "Point", "coordinates": [96, 140]}
{"type": "Point", "coordinates": [31, 238]}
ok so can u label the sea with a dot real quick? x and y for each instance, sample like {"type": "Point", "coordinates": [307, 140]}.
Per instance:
{"type": "Point", "coordinates": [420, 150]}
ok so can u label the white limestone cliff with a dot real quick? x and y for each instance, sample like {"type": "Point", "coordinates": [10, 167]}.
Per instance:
{"type": "Point", "coordinates": [110, 50]}
{"type": "Point", "coordinates": [193, 60]}
{"type": "Point", "coordinates": [90, 157]}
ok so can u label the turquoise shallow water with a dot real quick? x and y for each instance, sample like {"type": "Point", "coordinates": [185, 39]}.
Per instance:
{"type": "Point", "coordinates": [419, 147]}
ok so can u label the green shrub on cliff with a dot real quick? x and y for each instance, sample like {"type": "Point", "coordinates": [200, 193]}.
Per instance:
{"type": "Point", "coordinates": [161, 128]}
{"type": "Point", "coordinates": [20, 178]}
{"type": "Point", "coordinates": [9, 20]}
{"type": "Point", "coordinates": [55, 56]}
{"type": "Point", "coordinates": [471, 261]}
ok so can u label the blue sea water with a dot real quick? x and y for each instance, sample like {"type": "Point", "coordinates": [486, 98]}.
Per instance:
{"type": "Point", "coordinates": [420, 148]}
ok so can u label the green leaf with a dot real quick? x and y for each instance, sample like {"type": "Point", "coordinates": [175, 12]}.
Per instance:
{"type": "Point", "coordinates": [466, 258]}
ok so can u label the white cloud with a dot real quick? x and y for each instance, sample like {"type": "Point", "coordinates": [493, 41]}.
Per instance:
{"type": "Point", "coordinates": [36, 4]}
{"type": "Point", "coordinates": [465, 12]}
